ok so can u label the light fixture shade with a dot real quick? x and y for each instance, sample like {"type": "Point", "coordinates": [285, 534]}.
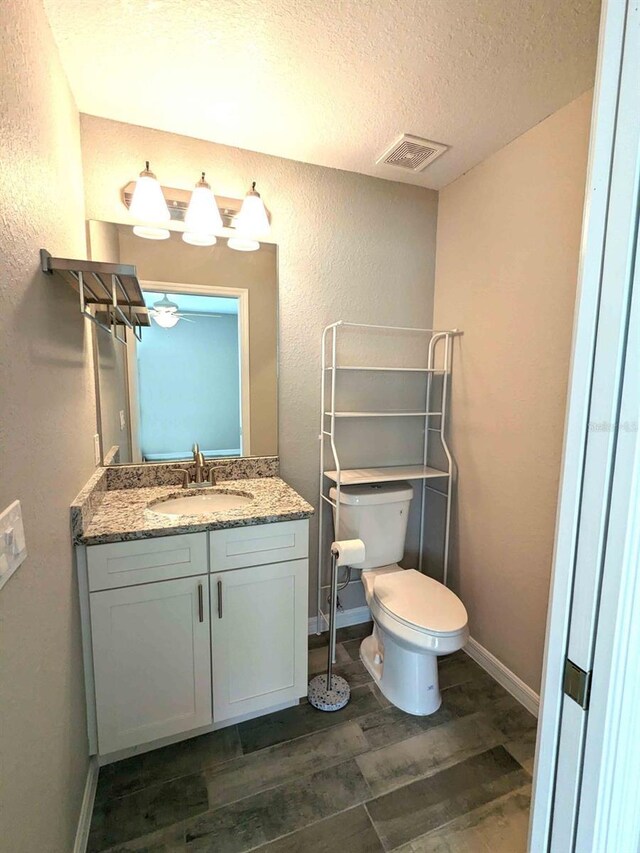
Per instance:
{"type": "Point", "coordinates": [252, 218]}
{"type": "Point", "coordinates": [166, 319]}
{"type": "Point", "coordinates": [243, 244]}
{"type": "Point", "coordinates": [195, 239]}
{"type": "Point", "coordinates": [202, 218]}
{"type": "Point", "coordinates": [165, 312]}
{"type": "Point", "coordinates": [148, 203]}
{"type": "Point", "coordinates": [150, 233]}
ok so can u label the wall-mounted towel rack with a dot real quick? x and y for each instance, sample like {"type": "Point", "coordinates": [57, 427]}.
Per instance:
{"type": "Point", "coordinates": [110, 294]}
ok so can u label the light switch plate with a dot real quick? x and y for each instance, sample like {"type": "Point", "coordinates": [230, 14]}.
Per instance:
{"type": "Point", "coordinates": [13, 546]}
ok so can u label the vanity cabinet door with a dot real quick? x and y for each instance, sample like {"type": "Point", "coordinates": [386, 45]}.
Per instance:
{"type": "Point", "coordinates": [152, 661]}
{"type": "Point", "coordinates": [259, 637]}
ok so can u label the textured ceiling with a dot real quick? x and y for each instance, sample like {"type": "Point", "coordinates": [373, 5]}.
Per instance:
{"type": "Point", "coordinates": [331, 82]}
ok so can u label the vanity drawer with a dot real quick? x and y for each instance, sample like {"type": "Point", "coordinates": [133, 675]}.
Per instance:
{"type": "Point", "coordinates": [120, 564]}
{"type": "Point", "coordinates": [239, 547]}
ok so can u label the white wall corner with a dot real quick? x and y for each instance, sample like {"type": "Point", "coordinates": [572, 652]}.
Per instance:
{"type": "Point", "coordinates": [500, 673]}
{"type": "Point", "coordinates": [86, 809]}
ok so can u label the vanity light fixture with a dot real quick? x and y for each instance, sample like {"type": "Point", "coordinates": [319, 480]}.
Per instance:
{"type": "Point", "coordinates": [252, 223]}
{"type": "Point", "coordinates": [148, 205]}
{"type": "Point", "coordinates": [202, 218]}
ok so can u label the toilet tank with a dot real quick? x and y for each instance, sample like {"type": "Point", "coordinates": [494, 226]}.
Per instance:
{"type": "Point", "coordinates": [378, 514]}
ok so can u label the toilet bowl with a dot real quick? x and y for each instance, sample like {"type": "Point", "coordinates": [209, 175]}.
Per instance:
{"type": "Point", "coordinates": [416, 618]}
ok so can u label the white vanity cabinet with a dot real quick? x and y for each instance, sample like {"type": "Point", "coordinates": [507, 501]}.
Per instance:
{"type": "Point", "coordinates": [259, 620]}
{"type": "Point", "coordinates": [191, 632]}
{"type": "Point", "coordinates": [152, 661]}
{"type": "Point", "coordinates": [258, 631]}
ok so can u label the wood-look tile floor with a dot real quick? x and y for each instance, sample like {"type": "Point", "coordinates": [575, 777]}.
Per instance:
{"type": "Point", "coordinates": [366, 779]}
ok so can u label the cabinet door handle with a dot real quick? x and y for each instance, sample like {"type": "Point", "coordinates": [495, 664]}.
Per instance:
{"type": "Point", "coordinates": [200, 603]}
{"type": "Point", "coordinates": [219, 599]}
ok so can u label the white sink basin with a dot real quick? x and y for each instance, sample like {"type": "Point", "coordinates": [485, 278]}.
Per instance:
{"type": "Point", "coordinates": [201, 504]}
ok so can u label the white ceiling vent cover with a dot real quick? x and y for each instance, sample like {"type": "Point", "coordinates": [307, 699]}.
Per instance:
{"type": "Point", "coordinates": [411, 153]}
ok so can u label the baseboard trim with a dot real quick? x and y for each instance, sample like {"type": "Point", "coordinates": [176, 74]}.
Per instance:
{"type": "Point", "coordinates": [496, 669]}
{"type": "Point", "coordinates": [86, 810]}
{"type": "Point", "coordinates": [509, 680]}
{"type": "Point", "coordinates": [344, 618]}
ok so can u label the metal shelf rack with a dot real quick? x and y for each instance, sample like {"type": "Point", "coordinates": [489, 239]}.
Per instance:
{"type": "Point", "coordinates": [437, 341]}
{"type": "Point", "coordinates": [113, 290]}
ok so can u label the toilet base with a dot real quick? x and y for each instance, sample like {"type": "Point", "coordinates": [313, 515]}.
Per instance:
{"type": "Point", "coordinates": [408, 679]}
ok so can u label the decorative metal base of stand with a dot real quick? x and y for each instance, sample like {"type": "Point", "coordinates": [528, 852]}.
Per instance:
{"type": "Point", "coordinates": [328, 700]}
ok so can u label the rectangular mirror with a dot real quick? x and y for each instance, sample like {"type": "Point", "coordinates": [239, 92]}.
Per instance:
{"type": "Point", "coordinates": [206, 369]}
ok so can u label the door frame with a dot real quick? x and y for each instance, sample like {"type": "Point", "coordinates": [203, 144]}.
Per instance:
{"type": "Point", "coordinates": [242, 295]}
{"type": "Point", "coordinates": [577, 750]}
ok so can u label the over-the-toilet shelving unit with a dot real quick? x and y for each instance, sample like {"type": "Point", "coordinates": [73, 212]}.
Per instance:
{"type": "Point", "coordinates": [437, 353]}
{"type": "Point", "coordinates": [110, 294]}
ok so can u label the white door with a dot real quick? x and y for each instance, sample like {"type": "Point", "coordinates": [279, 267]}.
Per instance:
{"type": "Point", "coordinates": [600, 454]}
{"type": "Point", "coordinates": [259, 637]}
{"type": "Point", "coordinates": [152, 661]}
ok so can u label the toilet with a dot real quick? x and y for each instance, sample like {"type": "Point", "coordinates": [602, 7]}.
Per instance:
{"type": "Point", "coordinates": [416, 619]}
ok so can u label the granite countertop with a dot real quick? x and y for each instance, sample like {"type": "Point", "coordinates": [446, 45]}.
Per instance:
{"type": "Point", "coordinates": [123, 514]}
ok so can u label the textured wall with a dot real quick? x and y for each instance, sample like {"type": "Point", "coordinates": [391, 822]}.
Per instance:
{"type": "Point", "coordinates": [349, 247]}
{"type": "Point", "coordinates": [45, 442]}
{"type": "Point", "coordinates": [508, 242]}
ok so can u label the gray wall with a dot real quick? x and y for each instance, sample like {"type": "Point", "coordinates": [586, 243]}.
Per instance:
{"type": "Point", "coordinates": [349, 247]}
{"type": "Point", "coordinates": [48, 419]}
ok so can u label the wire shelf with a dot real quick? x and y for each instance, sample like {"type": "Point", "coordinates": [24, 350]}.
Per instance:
{"type": "Point", "coordinates": [422, 472]}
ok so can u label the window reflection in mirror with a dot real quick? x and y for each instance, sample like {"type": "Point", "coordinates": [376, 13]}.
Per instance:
{"type": "Point", "coordinates": [207, 374]}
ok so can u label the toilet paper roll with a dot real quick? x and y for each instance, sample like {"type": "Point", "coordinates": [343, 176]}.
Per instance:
{"type": "Point", "coordinates": [349, 551]}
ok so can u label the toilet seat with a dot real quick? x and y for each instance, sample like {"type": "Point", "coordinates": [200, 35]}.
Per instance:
{"type": "Point", "coordinates": [415, 600]}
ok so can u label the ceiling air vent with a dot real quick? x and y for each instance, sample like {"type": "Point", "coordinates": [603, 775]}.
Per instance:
{"type": "Point", "coordinates": [412, 153]}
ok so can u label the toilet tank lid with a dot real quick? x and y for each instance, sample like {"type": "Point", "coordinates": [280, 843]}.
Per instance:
{"type": "Point", "coordinates": [369, 494]}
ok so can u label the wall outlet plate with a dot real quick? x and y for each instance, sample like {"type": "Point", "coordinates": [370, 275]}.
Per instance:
{"type": "Point", "coordinates": [96, 449]}
{"type": "Point", "coordinates": [123, 420]}
{"type": "Point", "coordinates": [13, 546]}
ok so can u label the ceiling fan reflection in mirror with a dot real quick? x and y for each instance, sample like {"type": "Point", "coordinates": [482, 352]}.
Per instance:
{"type": "Point", "coordinates": [167, 314]}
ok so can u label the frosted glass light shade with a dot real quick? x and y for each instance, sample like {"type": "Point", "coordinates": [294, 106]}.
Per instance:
{"type": "Point", "coordinates": [148, 203]}
{"type": "Point", "coordinates": [252, 218]}
{"type": "Point", "coordinates": [252, 223]}
{"type": "Point", "coordinates": [243, 244]}
{"type": "Point", "coordinates": [150, 233]}
{"type": "Point", "coordinates": [166, 319]}
{"type": "Point", "coordinates": [202, 218]}
{"type": "Point", "coordinates": [195, 239]}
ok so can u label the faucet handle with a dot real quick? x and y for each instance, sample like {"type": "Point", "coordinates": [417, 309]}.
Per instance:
{"type": "Point", "coordinates": [196, 450]}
